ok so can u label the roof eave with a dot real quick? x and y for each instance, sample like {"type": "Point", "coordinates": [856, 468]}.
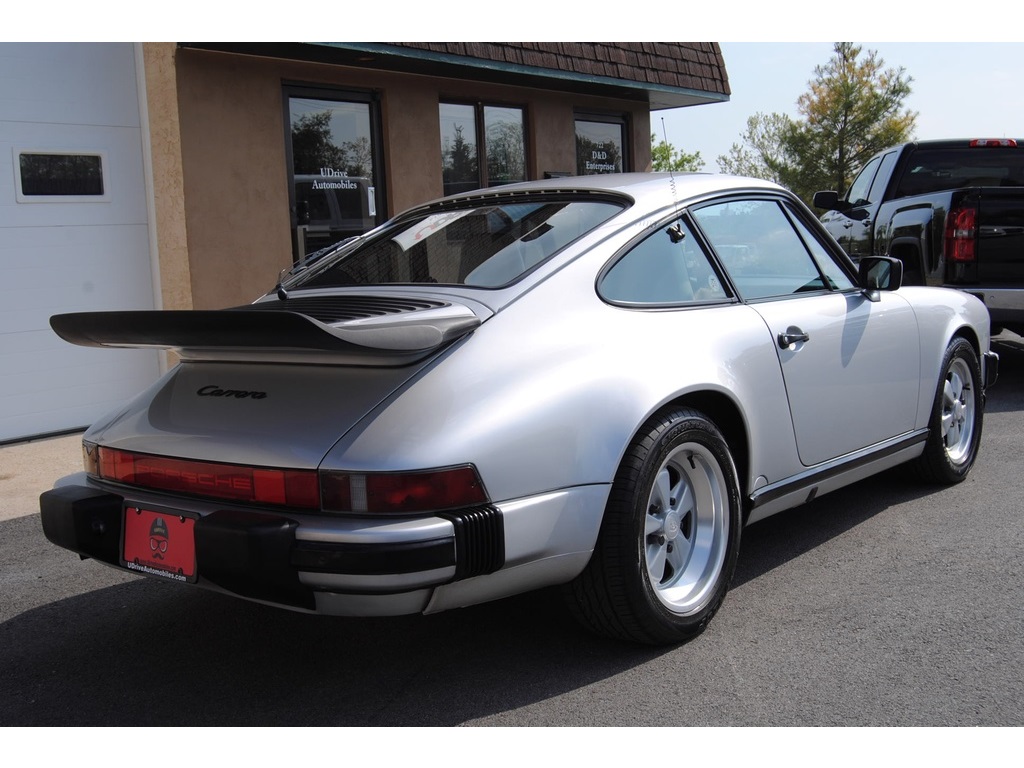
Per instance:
{"type": "Point", "coordinates": [387, 57]}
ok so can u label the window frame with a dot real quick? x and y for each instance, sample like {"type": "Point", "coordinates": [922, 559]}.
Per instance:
{"type": "Point", "coordinates": [21, 197]}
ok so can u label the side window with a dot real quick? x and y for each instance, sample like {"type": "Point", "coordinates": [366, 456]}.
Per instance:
{"type": "Point", "coordinates": [838, 280]}
{"type": "Point", "coordinates": [882, 177]}
{"type": "Point", "coordinates": [860, 189]}
{"type": "Point", "coordinates": [759, 248]}
{"type": "Point", "coordinates": [663, 269]}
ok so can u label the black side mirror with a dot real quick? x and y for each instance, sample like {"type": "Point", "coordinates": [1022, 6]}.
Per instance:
{"type": "Point", "coordinates": [829, 201]}
{"type": "Point", "coordinates": [880, 273]}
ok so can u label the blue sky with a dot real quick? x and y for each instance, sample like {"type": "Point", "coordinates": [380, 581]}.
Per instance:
{"type": "Point", "coordinates": [959, 90]}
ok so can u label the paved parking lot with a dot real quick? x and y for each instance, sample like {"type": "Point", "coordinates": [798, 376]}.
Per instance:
{"type": "Point", "coordinates": [888, 603]}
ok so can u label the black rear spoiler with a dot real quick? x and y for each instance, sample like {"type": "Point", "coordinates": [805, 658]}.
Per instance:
{"type": "Point", "coordinates": [248, 333]}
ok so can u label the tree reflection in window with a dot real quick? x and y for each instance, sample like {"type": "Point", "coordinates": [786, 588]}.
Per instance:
{"type": "Point", "coordinates": [465, 164]}
{"type": "Point", "coordinates": [314, 148]}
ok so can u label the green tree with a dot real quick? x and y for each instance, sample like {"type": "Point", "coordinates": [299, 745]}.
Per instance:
{"type": "Point", "coordinates": [665, 157]}
{"type": "Point", "coordinates": [853, 108]}
{"type": "Point", "coordinates": [763, 152]}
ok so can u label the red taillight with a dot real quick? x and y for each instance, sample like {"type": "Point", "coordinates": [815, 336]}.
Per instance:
{"type": "Point", "coordinates": [961, 228]}
{"type": "Point", "coordinates": [993, 142]}
{"type": "Point", "coordinates": [426, 491]}
{"type": "Point", "coordinates": [257, 485]}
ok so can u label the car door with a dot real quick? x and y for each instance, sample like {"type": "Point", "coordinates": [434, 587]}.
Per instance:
{"type": "Point", "coordinates": [850, 362]}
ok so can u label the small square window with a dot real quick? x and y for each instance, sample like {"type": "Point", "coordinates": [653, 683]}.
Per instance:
{"type": "Point", "coordinates": [59, 176]}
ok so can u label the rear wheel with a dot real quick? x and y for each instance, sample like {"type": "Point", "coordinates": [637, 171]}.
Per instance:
{"type": "Point", "coordinates": [956, 420]}
{"type": "Point", "coordinates": [670, 536]}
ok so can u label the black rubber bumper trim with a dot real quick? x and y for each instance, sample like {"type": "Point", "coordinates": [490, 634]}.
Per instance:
{"type": "Point", "coordinates": [83, 520]}
{"type": "Point", "coordinates": [374, 559]}
{"type": "Point", "coordinates": [247, 553]}
{"type": "Point", "coordinates": [479, 540]}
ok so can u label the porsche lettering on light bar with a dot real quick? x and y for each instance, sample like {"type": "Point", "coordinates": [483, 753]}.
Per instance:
{"type": "Point", "coordinates": [258, 485]}
{"type": "Point", "coordinates": [403, 492]}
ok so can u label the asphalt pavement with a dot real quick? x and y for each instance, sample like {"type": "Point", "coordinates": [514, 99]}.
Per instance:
{"type": "Point", "coordinates": [887, 603]}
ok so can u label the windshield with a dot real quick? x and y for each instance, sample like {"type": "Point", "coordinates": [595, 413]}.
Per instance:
{"type": "Point", "coordinates": [485, 246]}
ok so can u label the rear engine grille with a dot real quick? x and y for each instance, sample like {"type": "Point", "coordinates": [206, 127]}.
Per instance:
{"type": "Point", "coordinates": [338, 309]}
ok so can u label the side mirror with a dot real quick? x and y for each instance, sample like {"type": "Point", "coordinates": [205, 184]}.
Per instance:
{"type": "Point", "coordinates": [830, 201]}
{"type": "Point", "coordinates": [880, 273]}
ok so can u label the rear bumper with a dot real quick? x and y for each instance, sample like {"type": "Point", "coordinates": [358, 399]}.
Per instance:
{"type": "Point", "coordinates": [286, 559]}
{"type": "Point", "coordinates": [1005, 305]}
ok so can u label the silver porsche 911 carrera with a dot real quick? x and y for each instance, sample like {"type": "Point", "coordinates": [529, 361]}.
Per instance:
{"type": "Point", "coordinates": [591, 382]}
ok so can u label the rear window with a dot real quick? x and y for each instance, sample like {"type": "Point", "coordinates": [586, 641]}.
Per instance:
{"type": "Point", "coordinates": [485, 246]}
{"type": "Point", "coordinates": [933, 170]}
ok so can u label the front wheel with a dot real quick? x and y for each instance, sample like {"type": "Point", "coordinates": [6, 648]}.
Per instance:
{"type": "Point", "coordinates": [956, 419]}
{"type": "Point", "coordinates": [670, 535]}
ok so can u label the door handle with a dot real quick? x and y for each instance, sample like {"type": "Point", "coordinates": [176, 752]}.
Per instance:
{"type": "Point", "coordinates": [791, 336]}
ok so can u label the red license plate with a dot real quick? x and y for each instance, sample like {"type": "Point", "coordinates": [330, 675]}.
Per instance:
{"type": "Point", "coordinates": [159, 544]}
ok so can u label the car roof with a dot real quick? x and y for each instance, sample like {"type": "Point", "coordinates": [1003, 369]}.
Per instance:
{"type": "Point", "coordinates": [660, 186]}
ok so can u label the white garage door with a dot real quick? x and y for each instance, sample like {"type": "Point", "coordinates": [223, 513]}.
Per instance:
{"type": "Point", "coordinates": [73, 230]}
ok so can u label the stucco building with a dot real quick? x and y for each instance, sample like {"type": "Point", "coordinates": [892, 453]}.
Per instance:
{"type": "Point", "coordinates": [187, 175]}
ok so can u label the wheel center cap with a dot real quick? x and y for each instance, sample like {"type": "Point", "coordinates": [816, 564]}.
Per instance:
{"type": "Point", "coordinates": [671, 525]}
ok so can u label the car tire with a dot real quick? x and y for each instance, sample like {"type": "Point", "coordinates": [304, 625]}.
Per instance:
{"type": "Point", "coordinates": [670, 535]}
{"type": "Point", "coordinates": [956, 420]}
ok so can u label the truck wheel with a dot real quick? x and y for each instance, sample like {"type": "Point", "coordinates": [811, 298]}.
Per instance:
{"type": "Point", "coordinates": [956, 420]}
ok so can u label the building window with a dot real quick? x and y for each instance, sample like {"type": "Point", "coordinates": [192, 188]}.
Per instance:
{"type": "Point", "coordinates": [57, 176]}
{"type": "Point", "coordinates": [600, 144]}
{"type": "Point", "coordinates": [469, 163]}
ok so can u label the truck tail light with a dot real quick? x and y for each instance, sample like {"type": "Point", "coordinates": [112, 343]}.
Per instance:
{"type": "Point", "coordinates": [993, 142]}
{"type": "Point", "coordinates": [402, 492]}
{"type": "Point", "coordinates": [961, 231]}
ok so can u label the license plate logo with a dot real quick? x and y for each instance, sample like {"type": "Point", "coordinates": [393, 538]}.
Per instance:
{"type": "Point", "coordinates": [159, 544]}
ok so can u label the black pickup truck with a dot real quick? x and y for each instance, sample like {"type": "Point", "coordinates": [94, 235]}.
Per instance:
{"type": "Point", "coordinates": [952, 211]}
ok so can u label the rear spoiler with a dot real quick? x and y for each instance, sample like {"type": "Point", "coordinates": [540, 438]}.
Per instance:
{"type": "Point", "coordinates": [250, 333]}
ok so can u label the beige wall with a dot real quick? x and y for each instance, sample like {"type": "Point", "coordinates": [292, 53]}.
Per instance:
{"type": "Point", "coordinates": [230, 161]}
{"type": "Point", "coordinates": [168, 192]}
